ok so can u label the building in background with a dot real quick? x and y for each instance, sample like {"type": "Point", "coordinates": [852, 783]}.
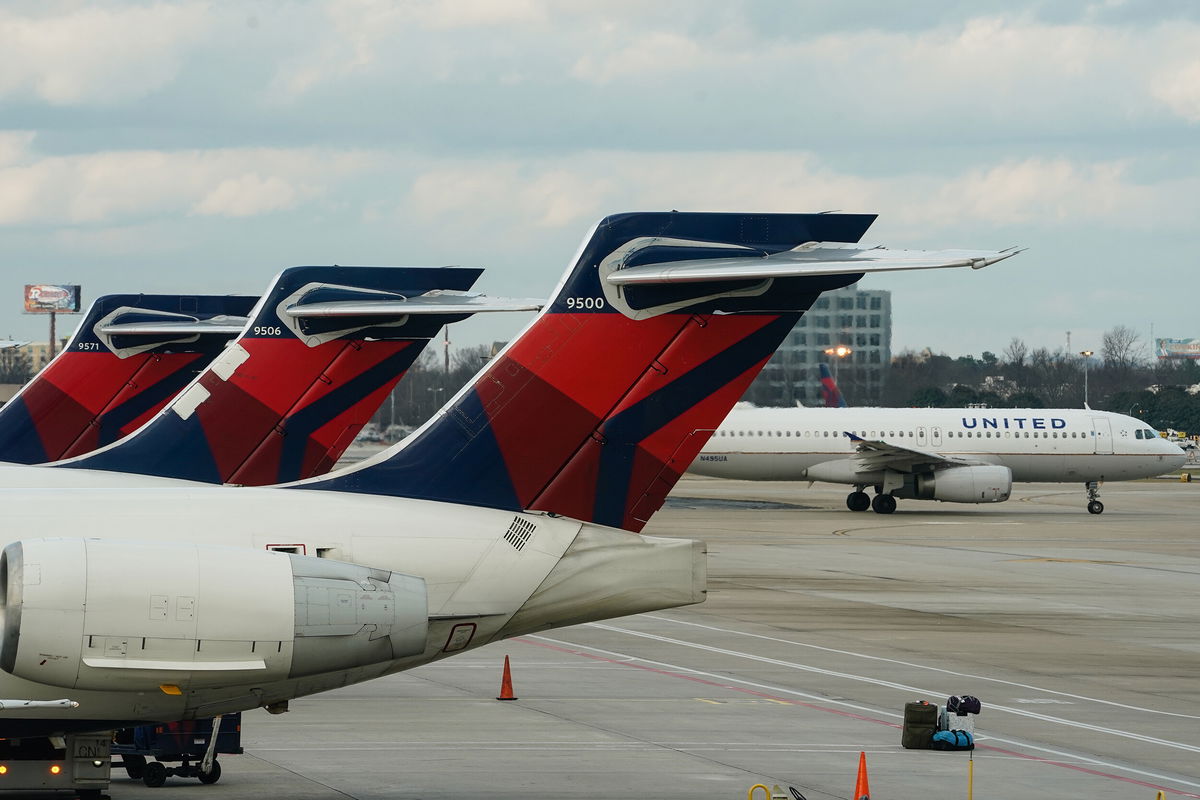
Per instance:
{"type": "Point", "coordinates": [855, 323]}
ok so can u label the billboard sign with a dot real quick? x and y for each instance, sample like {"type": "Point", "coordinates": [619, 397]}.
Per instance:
{"type": "Point", "coordinates": [1177, 348]}
{"type": "Point", "coordinates": [43, 298]}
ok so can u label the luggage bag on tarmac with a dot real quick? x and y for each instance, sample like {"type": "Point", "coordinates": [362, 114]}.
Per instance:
{"type": "Point", "coordinates": [920, 724]}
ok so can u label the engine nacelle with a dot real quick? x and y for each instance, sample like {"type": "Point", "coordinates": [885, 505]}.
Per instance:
{"type": "Point", "coordinates": [983, 484]}
{"type": "Point", "coordinates": [113, 615]}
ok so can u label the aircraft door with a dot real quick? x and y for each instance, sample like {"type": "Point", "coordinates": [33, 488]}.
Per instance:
{"type": "Point", "coordinates": [1102, 435]}
{"type": "Point", "coordinates": [921, 436]}
{"type": "Point", "coordinates": [935, 437]}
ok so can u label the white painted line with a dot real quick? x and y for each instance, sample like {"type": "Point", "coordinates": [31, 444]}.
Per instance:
{"type": "Point", "coordinates": [1039, 689]}
{"type": "Point", "coordinates": [901, 686]}
{"type": "Point", "coordinates": [1060, 754]}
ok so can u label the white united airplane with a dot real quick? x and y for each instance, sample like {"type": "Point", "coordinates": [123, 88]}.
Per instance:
{"type": "Point", "coordinates": [517, 508]}
{"type": "Point", "coordinates": [956, 455]}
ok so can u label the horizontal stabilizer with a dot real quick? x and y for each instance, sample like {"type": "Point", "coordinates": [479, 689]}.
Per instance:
{"type": "Point", "coordinates": [812, 259]}
{"type": "Point", "coordinates": [230, 326]}
{"type": "Point", "coordinates": [444, 302]}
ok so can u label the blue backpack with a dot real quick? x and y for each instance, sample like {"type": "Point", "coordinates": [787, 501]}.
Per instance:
{"type": "Point", "coordinates": [953, 740]}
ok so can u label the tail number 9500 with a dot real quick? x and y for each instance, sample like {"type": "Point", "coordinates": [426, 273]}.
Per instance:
{"type": "Point", "coordinates": [584, 303]}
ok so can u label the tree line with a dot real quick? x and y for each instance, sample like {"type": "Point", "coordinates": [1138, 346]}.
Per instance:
{"type": "Point", "coordinates": [1119, 378]}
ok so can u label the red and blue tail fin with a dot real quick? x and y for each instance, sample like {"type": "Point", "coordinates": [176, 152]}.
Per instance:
{"type": "Point", "coordinates": [129, 356]}
{"type": "Point", "coordinates": [322, 351]}
{"type": "Point", "coordinates": [830, 392]}
{"type": "Point", "coordinates": [656, 330]}
{"type": "Point", "coordinates": [597, 407]}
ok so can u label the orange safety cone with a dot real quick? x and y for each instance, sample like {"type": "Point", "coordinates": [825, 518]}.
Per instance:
{"type": "Point", "coordinates": [506, 692]}
{"type": "Point", "coordinates": [862, 791]}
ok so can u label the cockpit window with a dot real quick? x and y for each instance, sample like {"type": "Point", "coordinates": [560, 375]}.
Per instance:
{"type": "Point", "coordinates": [1151, 434]}
{"type": "Point", "coordinates": [1137, 434]}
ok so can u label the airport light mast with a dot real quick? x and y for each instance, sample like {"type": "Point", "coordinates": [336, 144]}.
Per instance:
{"type": "Point", "coordinates": [1087, 354]}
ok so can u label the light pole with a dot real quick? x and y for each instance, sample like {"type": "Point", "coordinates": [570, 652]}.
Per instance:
{"type": "Point", "coordinates": [1086, 355]}
{"type": "Point", "coordinates": [841, 351]}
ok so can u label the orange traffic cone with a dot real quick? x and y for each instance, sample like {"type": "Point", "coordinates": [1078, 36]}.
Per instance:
{"type": "Point", "coordinates": [862, 791]}
{"type": "Point", "coordinates": [506, 692]}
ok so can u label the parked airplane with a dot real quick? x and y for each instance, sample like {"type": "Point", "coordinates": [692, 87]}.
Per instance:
{"type": "Point", "coordinates": [316, 358]}
{"type": "Point", "coordinates": [514, 509]}
{"type": "Point", "coordinates": [957, 455]}
{"type": "Point", "coordinates": [129, 356]}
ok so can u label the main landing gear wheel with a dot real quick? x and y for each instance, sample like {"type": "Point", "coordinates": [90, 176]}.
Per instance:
{"type": "Point", "coordinates": [858, 501]}
{"type": "Point", "coordinates": [1095, 507]}
{"type": "Point", "coordinates": [883, 504]}
{"type": "Point", "coordinates": [155, 775]}
{"type": "Point", "coordinates": [135, 766]}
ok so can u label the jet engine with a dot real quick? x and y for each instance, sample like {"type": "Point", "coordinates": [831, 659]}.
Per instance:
{"type": "Point", "coordinates": [983, 484]}
{"type": "Point", "coordinates": [113, 615]}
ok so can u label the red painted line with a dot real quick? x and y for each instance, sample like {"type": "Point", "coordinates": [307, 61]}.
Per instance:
{"type": "Point", "coordinates": [851, 715]}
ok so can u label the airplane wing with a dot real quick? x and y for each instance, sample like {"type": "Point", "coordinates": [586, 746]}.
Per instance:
{"type": "Point", "coordinates": [808, 260]}
{"type": "Point", "coordinates": [873, 455]}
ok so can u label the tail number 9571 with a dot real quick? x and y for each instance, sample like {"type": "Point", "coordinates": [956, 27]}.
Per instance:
{"type": "Point", "coordinates": [584, 303]}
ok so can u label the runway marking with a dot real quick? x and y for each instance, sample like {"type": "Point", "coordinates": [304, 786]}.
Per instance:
{"type": "Point", "coordinates": [1048, 560]}
{"type": "Point", "coordinates": [723, 681]}
{"type": "Point", "coordinates": [900, 686]}
{"type": "Point", "coordinates": [942, 670]}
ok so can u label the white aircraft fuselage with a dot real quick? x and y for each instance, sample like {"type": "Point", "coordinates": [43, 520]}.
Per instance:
{"type": "Point", "coordinates": [488, 574]}
{"type": "Point", "coordinates": [1037, 445]}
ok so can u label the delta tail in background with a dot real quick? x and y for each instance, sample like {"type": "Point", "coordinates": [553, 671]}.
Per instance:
{"type": "Point", "coordinates": [312, 362]}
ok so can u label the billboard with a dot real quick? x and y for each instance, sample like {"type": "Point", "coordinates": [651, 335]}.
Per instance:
{"type": "Point", "coordinates": [1177, 348]}
{"type": "Point", "coordinates": [42, 298]}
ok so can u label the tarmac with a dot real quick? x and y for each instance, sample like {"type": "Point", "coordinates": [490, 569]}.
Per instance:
{"type": "Point", "coordinates": [1079, 633]}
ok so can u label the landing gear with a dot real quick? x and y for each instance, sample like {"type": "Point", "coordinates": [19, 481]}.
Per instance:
{"type": "Point", "coordinates": [858, 500]}
{"type": "Point", "coordinates": [1094, 505]}
{"type": "Point", "coordinates": [883, 504]}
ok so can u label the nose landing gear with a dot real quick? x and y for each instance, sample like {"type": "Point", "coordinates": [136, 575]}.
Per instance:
{"type": "Point", "coordinates": [1094, 505]}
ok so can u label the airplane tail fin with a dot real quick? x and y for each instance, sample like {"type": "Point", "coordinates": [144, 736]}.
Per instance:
{"type": "Point", "coordinates": [128, 357]}
{"type": "Point", "coordinates": [322, 350]}
{"type": "Point", "coordinates": [830, 392]}
{"type": "Point", "coordinates": [656, 330]}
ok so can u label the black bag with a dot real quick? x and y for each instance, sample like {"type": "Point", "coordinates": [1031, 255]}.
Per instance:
{"type": "Point", "coordinates": [920, 723]}
{"type": "Point", "coordinates": [963, 704]}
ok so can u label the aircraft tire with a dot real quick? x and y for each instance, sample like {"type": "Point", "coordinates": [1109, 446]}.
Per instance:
{"type": "Point", "coordinates": [155, 775]}
{"type": "Point", "coordinates": [135, 766]}
{"type": "Point", "coordinates": [212, 776]}
{"type": "Point", "coordinates": [858, 501]}
{"type": "Point", "coordinates": [1095, 507]}
{"type": "Point", "coordinates": [883, 504]}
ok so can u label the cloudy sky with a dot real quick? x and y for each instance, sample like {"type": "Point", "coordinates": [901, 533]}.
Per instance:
{"type": "Point", "coordinates": [202, 146]}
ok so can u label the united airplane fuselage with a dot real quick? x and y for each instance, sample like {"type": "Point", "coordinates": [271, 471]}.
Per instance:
{"type": "Point", "coordinates": [1037, 445]}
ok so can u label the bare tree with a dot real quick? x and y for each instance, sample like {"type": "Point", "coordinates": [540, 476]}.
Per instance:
{"type": "Point", "coordinates": [1121, 348]}
{"type": "Point", "coordinates": [1016, 352]}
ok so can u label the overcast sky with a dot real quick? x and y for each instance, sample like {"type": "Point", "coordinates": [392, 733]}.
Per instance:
{"type": "Point", "coordinates": [203, 146]}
